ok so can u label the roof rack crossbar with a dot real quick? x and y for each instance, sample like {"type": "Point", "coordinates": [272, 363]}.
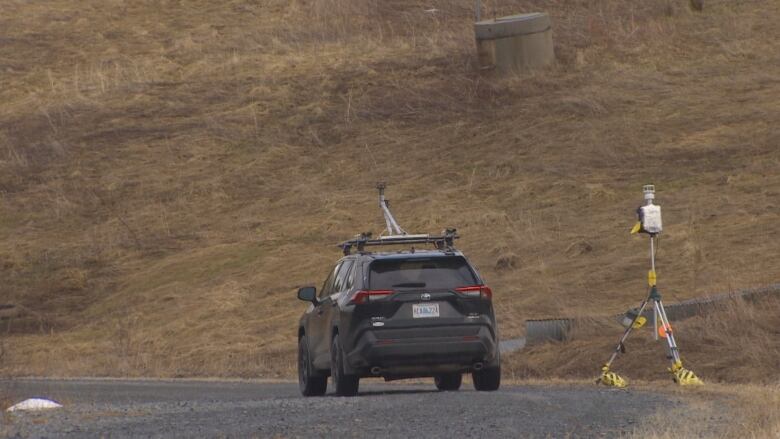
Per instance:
{"type": "Point", "coordinates": [445, 241]}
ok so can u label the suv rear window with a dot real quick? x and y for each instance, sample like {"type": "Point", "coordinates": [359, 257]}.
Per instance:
{"type": "Point", "coordinates": [445, 272]}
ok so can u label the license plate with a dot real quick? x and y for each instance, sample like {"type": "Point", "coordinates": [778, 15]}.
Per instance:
{"type": "Point", "coordinates": [424, 310]}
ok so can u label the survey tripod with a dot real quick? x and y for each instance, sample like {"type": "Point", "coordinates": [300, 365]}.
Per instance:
{"type": "Point", "coordinates": [650, 223]}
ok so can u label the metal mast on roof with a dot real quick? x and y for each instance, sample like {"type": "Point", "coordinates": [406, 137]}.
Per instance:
{"type": "Point", "coordinates": [395, 235]}
{"type": "Point", "coordinates": [393, 228]}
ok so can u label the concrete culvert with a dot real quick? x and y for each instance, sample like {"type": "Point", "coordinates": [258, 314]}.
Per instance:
{"type": "Point", "coordinates": [516, 43]}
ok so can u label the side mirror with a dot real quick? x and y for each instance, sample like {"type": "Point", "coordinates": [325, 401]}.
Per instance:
{"type": "Point", "coordinates": [308, 294]}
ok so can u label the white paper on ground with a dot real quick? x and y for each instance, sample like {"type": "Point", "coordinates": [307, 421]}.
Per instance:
{"type": "Point", "coordinates": [34, 404]}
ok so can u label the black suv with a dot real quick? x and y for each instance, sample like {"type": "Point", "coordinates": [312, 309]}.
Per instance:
{"type": "Point", "coordinates": [396, 315]}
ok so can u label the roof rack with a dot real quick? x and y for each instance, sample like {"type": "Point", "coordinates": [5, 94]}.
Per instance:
{"type": "Point", "coordinates": [445, 241]}
{"type": "Point", "coordinates": [395, 234]}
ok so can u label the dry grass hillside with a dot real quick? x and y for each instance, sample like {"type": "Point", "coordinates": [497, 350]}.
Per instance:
{"type": "Point", "coordinates": [171, 171]}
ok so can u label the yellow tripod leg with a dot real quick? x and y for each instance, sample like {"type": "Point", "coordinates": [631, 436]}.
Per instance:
{"type": "Point", "coordinates": [609, 378]}
{"type": "Point", "coordinates": [683, 376]}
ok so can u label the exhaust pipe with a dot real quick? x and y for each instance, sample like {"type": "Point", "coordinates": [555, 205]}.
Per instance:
{"type": "Point", "coordinates": [478, 366]}
{"type": "Point", "coordinates": [376, 370]}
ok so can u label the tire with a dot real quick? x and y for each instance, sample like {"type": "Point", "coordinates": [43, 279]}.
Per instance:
{"type": "Point", "coordinates": [344, 385]}
{"type": "Point", "coordinates": [487, 380]}
{"type": "Point", "coordinates": [448, 381]}
{"type": "Point", "coordinates": [309, 381]}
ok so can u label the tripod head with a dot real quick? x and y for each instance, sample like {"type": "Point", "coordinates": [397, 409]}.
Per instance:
{"type": "Point", "coordinates": [649, 215]}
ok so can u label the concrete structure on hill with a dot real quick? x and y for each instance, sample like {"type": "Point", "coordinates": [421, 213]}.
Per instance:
{"type": "Point", "coordinates": [516, 43]}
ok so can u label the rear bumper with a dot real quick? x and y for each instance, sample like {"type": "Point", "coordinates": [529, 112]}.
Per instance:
{"type": "Point", "coordinates": [454, 347]}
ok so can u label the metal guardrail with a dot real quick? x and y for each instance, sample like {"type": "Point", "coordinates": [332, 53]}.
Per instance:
{"type": "Point", "coordinates": [542, 331]}
{"type": "Point", "coordinates": [511, 345]}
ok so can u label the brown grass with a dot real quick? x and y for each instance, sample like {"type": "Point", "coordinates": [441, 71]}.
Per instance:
{"type": "Point", "coordinates": [169, 174]}
{"type": "Point", "coordinates": [717, 411]}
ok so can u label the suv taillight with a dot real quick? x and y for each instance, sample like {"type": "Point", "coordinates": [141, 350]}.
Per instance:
{"type": "Point", "coordinates": [367, 296]}
{"type": "Point", "coordinates": [476, 291]}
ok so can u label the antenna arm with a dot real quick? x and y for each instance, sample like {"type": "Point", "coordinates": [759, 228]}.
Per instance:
{"type": "Point", "coordinates": [392, 225]}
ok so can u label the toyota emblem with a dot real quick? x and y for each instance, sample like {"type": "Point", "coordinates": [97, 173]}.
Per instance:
{"type": "Point", "coordinates": [425, 296]}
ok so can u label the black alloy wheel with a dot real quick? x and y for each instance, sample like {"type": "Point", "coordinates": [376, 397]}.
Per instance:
{"type": "Point", "coordinates": [309, 382]}
{"type": "Point", "coordinates": [345, 385]}
{"type": "Point", "coordinates": [487, 380]}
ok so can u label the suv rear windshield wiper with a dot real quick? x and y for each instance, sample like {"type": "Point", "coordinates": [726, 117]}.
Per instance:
{"type": "Point", "coordinates": [410, 285]}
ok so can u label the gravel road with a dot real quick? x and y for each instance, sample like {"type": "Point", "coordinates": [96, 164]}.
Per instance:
{"type": "Point", "coordinates": [151, 408]}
